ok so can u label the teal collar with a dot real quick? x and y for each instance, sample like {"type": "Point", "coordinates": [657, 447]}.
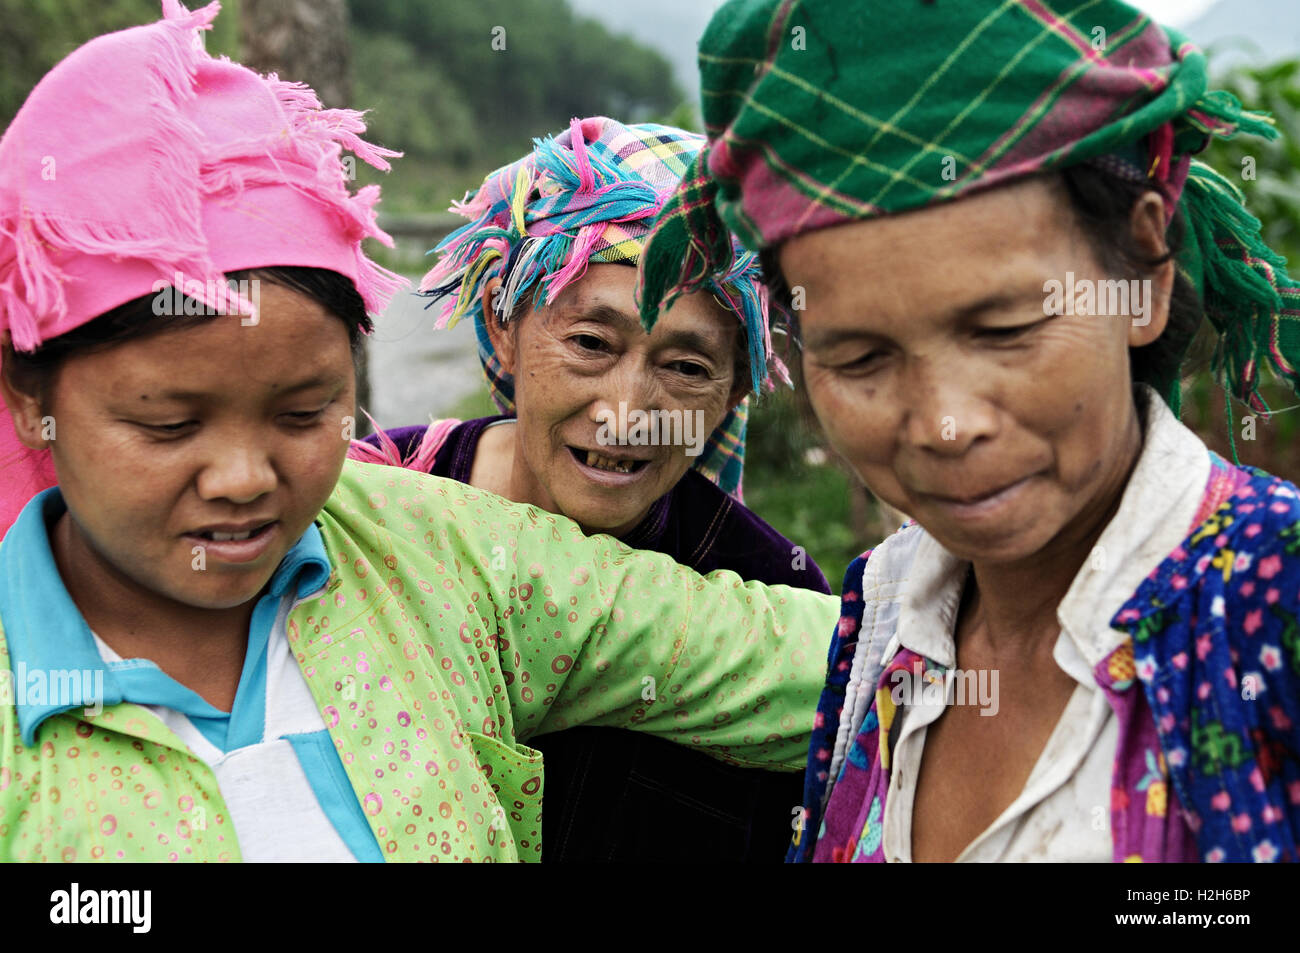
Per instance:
{"type": "Point", "coordinates": [56, 665]}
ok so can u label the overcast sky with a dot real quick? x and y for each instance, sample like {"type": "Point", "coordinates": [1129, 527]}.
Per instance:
{"type": "Point", "coordinates": [674, 26]}
{"type": "Point", "coordinates": [1173, 12]}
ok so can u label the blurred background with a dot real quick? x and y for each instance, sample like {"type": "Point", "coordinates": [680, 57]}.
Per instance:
{"type": "Point", "coordinates": [463, 87]}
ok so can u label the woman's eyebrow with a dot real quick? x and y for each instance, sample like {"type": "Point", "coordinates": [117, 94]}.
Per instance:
{"type": "Point", "coordinates": [693, 341]}
{"type": "Point", "coordinates": [630, 323]}
{"type": "Point", "coordinates": [606, 314]}
{"type": "Point", "coordinates": [830, 337]}
{"type": "Point", "coordinates": [316, 380]}
{"type": "Point", "coordinates": [990, 302]}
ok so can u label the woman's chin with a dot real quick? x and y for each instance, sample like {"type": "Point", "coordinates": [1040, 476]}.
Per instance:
{"type": "Point", "coordinates": [1013, 545]}
{"type": "Point", "coordinates": [604, 519]}
{"type": "Point", "coordinates": [216, 591]}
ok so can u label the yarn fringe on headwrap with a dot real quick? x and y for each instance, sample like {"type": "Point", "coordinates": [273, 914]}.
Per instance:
{"type": "Point", "coordinates": [320, 136]}
{"type": "Point", "coordinates": [687, 244]}
{"type": "Point", "coordinates": [174, 146]}
{"type": "Point", "coordinates": [420, 457]}
{"type": "Point", "coordinates": [1246, 291]}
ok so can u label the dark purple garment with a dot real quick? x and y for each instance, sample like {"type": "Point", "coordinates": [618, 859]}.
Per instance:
{"type": "Point", "coordinates": [618, 795]}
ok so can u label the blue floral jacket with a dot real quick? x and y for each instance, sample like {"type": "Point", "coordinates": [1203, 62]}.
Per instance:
{"type": "Point", "coordinates": [1215, 643]}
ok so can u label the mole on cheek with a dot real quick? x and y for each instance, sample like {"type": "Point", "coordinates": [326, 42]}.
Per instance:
{"type": "Point", "coordinates": [1078, 408]}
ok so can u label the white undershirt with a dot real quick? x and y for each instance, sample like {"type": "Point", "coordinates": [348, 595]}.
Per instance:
{"type": "Point", "coordinates": [272, 805]}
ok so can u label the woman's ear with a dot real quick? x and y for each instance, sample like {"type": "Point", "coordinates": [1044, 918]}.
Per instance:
{"type": "Point", "coordinates": [739, 391]}
{"type": "Point", "coordinates": [24, 408]}
{"type": "Point", "coordinates": [1147, 222]}
{"type": "Point", "coordinates": [498, 328]}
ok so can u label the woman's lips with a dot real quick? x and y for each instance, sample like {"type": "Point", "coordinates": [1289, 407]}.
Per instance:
{"type": "Point", "coordinates": [981, 507]}
{"type": "Point", "coordinates": [610, 478]}
{"type": "Point", "coordinates": [238, 550]}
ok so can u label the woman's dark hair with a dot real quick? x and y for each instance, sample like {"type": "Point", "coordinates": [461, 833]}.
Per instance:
{"type": "Point", "coordinates": [1102, 204]}
{"type": "Point", "coordinates": [35, 372]}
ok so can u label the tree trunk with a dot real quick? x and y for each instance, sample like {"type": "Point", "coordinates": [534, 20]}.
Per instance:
{"type": "Point", "coordinates": [305, 41]}
{"type": "Point", "coordinates": [301, 40]}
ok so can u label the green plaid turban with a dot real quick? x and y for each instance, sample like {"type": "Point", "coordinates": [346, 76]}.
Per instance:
{"type": "Point", "coordinates": [820, 112]}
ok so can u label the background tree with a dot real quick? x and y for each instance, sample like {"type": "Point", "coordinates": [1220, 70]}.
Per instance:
{"type": "Point", "coordinates": [302, 40]}
{"type": "Point", "coordinates": [306, 41]}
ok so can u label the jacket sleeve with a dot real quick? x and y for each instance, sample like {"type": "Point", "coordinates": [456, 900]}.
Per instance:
{"type": "Point", "coordinates": [600, 634]}
{"type": "Point", "coordinates": [1265, 635]}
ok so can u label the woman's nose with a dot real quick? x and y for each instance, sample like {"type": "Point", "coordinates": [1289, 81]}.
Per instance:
{"type": "Point", "coordinates": [628, 386]}
{"type": "Point", "coordinates": [239, 473]}
{"type": "Point", "coordinates": [947, 412]}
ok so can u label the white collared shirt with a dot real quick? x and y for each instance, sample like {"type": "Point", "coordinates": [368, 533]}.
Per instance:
{"type": "Point", "coordinates": [277, 814]}
{"type": "Point", "coordinates": [1063, 812]}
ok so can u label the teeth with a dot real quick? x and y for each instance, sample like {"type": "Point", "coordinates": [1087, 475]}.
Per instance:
{"type": "Point", "coordinates": [227, 537]}
{"type": "Point", "coordinates": [604, 463]}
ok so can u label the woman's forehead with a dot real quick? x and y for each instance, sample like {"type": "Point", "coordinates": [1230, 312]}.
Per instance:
{"type": "Point", "coordinates": [294, 339]}
{"type": "Point", "coordinates": [988, 240]}
{"type": "Point", "coordinates": [606, 294]}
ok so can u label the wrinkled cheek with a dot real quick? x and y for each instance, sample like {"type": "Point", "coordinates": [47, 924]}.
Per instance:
{"type": "Point", "coordinates": [851, 424]}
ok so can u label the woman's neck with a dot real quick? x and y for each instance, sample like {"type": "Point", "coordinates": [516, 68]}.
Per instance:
{"type": "Point", "coordinates": [495, 462]}
{"type": "Point", "coordinates": [1014, 605]}
{"type": "Point", "coordinates": [203, 649]}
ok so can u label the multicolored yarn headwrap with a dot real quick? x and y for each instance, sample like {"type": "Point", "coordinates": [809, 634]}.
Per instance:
{"type": "Point", "coordinates": [589, 195]}
{"type": "Point", "coordinates": [821, 112]}
{"type": "Point", "coordinates": [138, 158]}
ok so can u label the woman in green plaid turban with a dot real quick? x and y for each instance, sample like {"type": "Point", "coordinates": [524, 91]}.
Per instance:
{"type": "Point", "coordinates": [998, 248]}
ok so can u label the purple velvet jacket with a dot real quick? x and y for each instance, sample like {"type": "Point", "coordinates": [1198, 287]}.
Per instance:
{"type": "Point", "coordinates": [696, 523]}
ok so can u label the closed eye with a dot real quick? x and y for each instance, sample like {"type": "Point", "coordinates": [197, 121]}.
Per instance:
{"type": "Point", "coordinates": [861, 363]}
{"type": "Point", "coordinates": [1007, 333]}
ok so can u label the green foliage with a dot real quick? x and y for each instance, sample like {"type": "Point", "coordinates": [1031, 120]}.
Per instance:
{"type": "Point", "coordinates": [1268, 174]}
{"type": "Point", "coordinates": [437, 86]}
{"type": "Point", "coordinates": [797, 486]}
{"type": "Point", "coordinates": [498, 73]}
{"type": "Point", "coordinates": [409, 101]}
{"type": "Point", "coordinates": [36, 34]}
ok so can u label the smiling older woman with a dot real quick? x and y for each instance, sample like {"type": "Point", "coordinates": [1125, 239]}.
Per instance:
{"type": "Point", "coordinates": [638, 435]}
{"type": "Point", "coordinates": [1085, 644]}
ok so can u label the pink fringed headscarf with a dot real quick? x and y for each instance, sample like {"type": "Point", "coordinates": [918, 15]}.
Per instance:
{"type": "Point", "coordinates": [139, 157]}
